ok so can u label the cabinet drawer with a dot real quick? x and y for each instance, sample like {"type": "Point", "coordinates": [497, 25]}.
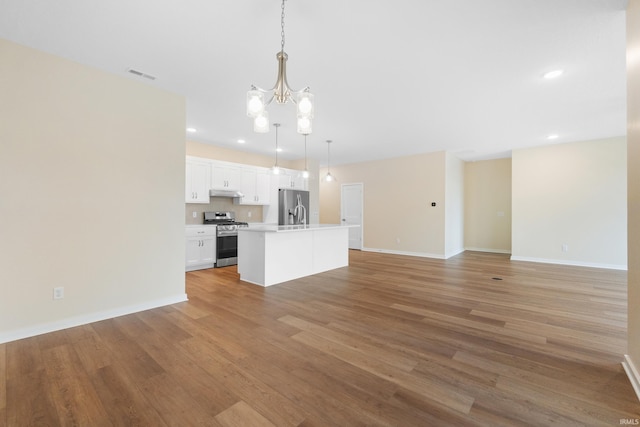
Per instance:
{"type": "Point", "coordinates": [209, 230]}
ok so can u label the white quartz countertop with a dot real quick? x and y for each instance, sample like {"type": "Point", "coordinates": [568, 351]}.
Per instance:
{"type": "Point", "coordinates": [270, 228]}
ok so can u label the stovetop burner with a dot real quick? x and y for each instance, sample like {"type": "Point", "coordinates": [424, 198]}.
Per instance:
{"type": "Point", "coordinates": [223, 218]}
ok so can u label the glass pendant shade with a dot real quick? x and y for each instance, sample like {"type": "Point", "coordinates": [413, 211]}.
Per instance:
{"type": "Point", "coordinates": [275, 170]}
{"type": "Point", "coordinates": [255, 103]}
{"type": "Point", "coordinates": [328, 177]}
{"type": "Point", "coordinates": [261, 122]}
{"type": "Point", "coordinates": [305, 126]}
{"type": "Point", "coordinates": [305, 104]}
{"type": "Point", "coordinates": [305, 174]}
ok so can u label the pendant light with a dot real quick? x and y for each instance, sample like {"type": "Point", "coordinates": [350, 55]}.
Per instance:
{"type": "Point", "coordinates": [276, 169]}
{"type": "Point", "coordinates": [328, 177]}
{"type": "Point", "coordinates": [281, 93]}
{"type": "Point", "coordinates": [305, 172]}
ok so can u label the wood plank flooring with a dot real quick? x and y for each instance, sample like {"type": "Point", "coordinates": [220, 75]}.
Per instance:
{"type": "Point", "coordinates": [476, 340]}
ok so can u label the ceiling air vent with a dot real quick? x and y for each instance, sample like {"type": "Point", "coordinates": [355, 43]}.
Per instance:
{"type": "Point", "coordinates": [141, 74]}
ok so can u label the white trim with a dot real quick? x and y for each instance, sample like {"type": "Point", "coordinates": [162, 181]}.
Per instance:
{"type": "Point", "coordinates": [573, 263]}
{"type": "Point", "coordinates": [454, 253]}
{"type": "Point", "coordinates": [361, 210]}
{"type": "Point", "coordinates": [632, 373]}
{"type": "Point", "coordinates": [490, 250]}
{"type": "Point", "coordinates": [392, 252]}
{"type": "Point", "coordinates": [71, 322]}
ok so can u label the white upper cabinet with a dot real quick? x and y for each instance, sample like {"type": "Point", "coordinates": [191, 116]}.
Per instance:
{"type": "Point", "coordinates": [256, 185]}
{"type": "Point", "coordinates": [225, 176]}
{"type": "Point", "coordinates": [292, 179]}
{"type": "Point", "coordinates": [263, 186]}
{"type": "Point", "coordinates": [197, 180]}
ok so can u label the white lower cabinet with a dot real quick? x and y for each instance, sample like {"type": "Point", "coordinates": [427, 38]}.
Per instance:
{"type": "Point", "coordinates": [200, 247]}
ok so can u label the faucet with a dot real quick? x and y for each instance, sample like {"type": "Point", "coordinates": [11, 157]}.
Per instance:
{"type": "Point", "coordinates": [300, 212]}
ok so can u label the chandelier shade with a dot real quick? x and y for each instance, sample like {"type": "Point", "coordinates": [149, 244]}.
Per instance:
{"type": "Point", "coordinates": [258, 99]}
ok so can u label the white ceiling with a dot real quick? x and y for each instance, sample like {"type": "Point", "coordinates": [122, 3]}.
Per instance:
{"type": "Point", "coordinates": [390, 78]}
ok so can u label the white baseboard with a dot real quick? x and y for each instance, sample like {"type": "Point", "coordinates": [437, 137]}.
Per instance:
{"type": "Point", "coordinates": [632, 373]}
{"type": "Point", "coordinates": [572, 263]}
{"type": "Point", "coordinates": [71, 322]}
{"type": "Point", "coordinates": [454, 253]}
{"type": "Point", "coordinates": [392, 252]}
{"type": "Point", "coordinates": [490, 250]}
{"type": "Point", "coordinates": [428, 255]}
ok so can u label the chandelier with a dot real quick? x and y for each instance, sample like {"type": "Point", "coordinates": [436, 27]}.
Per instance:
{"type": "Point", "coordinates": [281, 93]}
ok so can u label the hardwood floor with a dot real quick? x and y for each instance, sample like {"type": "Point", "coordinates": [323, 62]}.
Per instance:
{"type": "Point", "coordinates": [390, 340]}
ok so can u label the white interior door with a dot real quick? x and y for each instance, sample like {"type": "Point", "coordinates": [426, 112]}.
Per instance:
{"type": "Point", "coordinates": [351, 212]}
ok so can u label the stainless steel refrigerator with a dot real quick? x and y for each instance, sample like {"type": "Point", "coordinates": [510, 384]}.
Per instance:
{"type": "Point", "coordinates": [293, 207]}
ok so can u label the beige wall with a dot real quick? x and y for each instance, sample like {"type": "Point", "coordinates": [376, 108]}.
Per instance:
{"type": "Point", "coordinates": [245, 212]}
{"type": "Point", "coordinates": [91, 194]}
{"type": "Point", "coordinates": [573, 194]}
{"type": "Point", "coordinates": [633, 159]}
{"type": "Point", "coordinates": [487, 222]}
{"type": "Point", "coordinates": [401, 188]}
{"type": "Point", "coordinates": [209, 151]}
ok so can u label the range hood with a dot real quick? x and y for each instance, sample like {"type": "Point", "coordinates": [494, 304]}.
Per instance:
{"type": "Point", "coordinates": [225, 193]}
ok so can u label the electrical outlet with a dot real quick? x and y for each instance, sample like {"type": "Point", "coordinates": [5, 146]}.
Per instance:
{"type": "Point", "coordinates": [195, 214]}
{"type": "Point", "coordinates": [249, 214]}
{"type": "Point", "coordinates": [397, 240]}
{"type": "Point", "coordinates": [58, 293]}
{"type": "Point", "coordinates": [565, 247]}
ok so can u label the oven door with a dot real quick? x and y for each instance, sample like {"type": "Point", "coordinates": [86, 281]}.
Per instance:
{"type": "Point", "coordinates": [226, 248]}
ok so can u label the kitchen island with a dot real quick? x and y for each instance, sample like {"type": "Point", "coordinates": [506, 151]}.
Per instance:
{"type": "Point", "coordinates": [271, 254]}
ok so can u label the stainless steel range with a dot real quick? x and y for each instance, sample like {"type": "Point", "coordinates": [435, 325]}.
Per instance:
{"type": "Point", "coordinates": [226, 236]}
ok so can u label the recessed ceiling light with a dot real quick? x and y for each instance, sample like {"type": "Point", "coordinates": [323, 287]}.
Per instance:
{"type": "Point", "coordinates": [192, 130]}
{"type": "Point", "coordinates": [279, 150]}
{"type": "Point", "coordinates": [553, 136]}
{"type": "Point", "coordinates": [553, 74]}
{"type": "Point", "coordinates": [241, 141]}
